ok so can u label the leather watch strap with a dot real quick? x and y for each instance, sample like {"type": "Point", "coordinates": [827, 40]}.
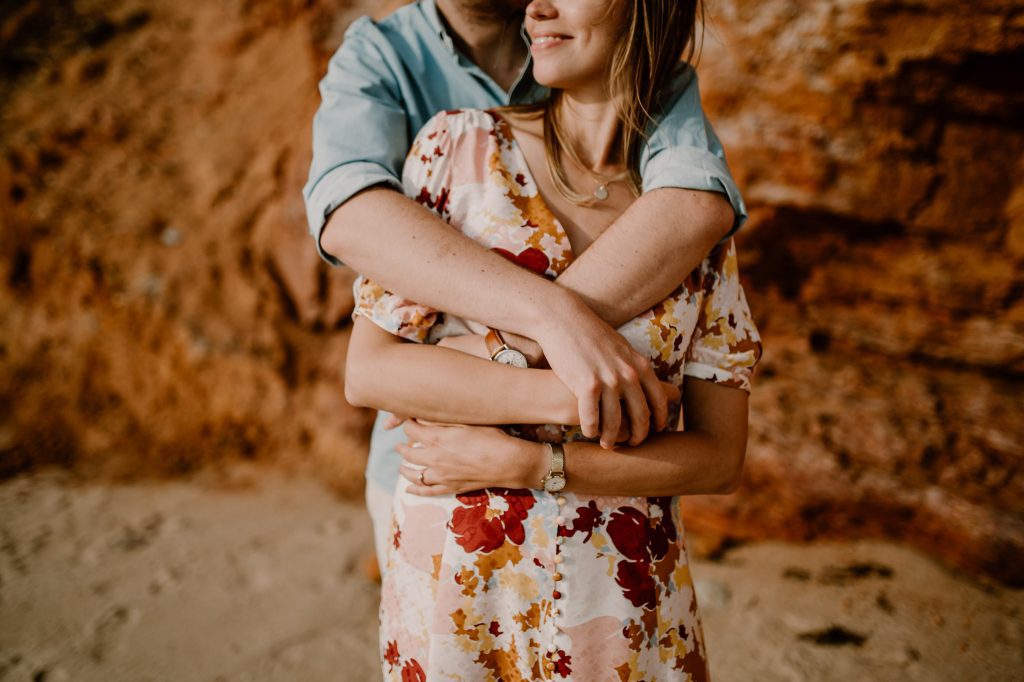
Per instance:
{"type": "Point", "coordinates": [495, 342]}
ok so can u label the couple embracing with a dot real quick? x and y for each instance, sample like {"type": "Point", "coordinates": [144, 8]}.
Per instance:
{"type": "Point", "coordinates": [549, 302]}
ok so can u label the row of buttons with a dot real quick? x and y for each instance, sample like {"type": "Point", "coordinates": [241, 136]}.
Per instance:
{"type": "Point", "coordinates": [556, 577]}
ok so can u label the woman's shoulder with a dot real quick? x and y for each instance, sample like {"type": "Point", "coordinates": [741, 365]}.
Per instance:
{"type": "Point", "coordinates": [455, 123]}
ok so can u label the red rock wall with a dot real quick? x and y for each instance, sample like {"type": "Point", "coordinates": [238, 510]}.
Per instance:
{"type": "Point", "coordinates": [880, 146]}
{"type": "Point", "coordinates": [161, 306]}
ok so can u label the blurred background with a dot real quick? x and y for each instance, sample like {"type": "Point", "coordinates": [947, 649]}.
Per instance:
{"type": "Point", "coordinates": [163, 314]}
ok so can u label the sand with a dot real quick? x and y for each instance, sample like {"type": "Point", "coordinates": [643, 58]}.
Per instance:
{"type": "Point", "coordinates": [190, 581]}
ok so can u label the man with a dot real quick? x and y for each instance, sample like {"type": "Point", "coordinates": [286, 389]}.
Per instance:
{"type": "Point", "coordinates": [382, 85]}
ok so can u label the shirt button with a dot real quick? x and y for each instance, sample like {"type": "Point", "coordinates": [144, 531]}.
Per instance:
{"type": "Point", "coordinates": [559, 558]}
{"type": "Point", "coordinates": [557, 576]}
{"type": "Point", "coordinates": [556, 595]}
{"type": "Point", "coordinates": [552, 648]}
{"type": "Point", "coordinates": [561, 501]}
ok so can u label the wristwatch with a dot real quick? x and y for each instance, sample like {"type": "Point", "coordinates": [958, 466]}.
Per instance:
{"type": "Point", "coordinates": [555, 480]}
{"type": "Point", "coordinates": [501, 352]}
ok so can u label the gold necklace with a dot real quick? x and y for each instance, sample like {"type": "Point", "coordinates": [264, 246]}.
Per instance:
{"type": "Point", "coordinates": [601, 193]}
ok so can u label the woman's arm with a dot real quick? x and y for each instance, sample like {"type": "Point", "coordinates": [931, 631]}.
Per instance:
{"type": "Point", "coordinates": [446, 385]}
{"type": "Point", "coordinates": [707, 458]}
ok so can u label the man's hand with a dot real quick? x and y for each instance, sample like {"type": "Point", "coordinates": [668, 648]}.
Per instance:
{"type": "Point", "coordinates": [604, 372]}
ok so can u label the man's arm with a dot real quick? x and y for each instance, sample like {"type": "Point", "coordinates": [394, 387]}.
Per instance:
{"type": "Point", "coordinates": [360, 136]}
{"type": "Point", "coordinates": [439, 267]}
{"type": "Point", "coordinates": [440, 384]}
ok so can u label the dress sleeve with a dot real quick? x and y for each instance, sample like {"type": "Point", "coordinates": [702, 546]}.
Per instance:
{"type": "Point", "coordinates": [427, 180]}
{"type": "Point", "coordinates": [726, 345]}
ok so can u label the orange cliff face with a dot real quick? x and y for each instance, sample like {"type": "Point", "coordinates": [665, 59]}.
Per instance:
{"type": "Point", "coordinates": [880, 146]}
{"type": "Point", "coordinates": [162, 307]}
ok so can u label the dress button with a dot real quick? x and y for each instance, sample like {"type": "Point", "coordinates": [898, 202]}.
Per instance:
{"type": "Point", "coordinates": [559, 558]}
{"type": "Point", "coordinates": [557, 576]}
{"type": "Point", "coordinates": [556, 595]}
{"type": "Point", "coordinates": [561, 501]}
{"type": "Point", "coordinates": [552, 648]}
{"type": "Point", "coordinates": [549, 666]}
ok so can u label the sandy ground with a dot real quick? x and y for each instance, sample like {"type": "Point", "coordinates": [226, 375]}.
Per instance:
{"type": "Point", "coordinates": [189, 581]}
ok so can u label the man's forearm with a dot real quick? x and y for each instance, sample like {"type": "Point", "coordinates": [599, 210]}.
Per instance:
{"type": "Point", "coordinates": [410, 251]}
{"type": "Point", "coordinates": [637, 262]}
{"type": "Point", "coordinates": [647, 252]}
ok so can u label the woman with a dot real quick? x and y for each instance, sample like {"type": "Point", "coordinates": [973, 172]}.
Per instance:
{"type": "Point", "coordinates": [506, 564]}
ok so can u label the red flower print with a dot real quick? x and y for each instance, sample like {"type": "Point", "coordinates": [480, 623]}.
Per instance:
{"type": "Point", "coordinates": [412, 671]}
{"type": "Point", "coordinates": [439, 205]}
{"type": "Point", "coordinates": [488, 517]}
{"type": "Point", "coordinates": [531, 259]}
{"type": "Point", "coordinates": [391, 654]}
{"type": "Point", "coordinates": [562, 664]}
{"type": "Point", "coordinates": [628, 531]}
{"type": "Point", "coordinates": [587, 519]}
{"type": "Point", "coordinates": [396, 539]}
{"type": "Point", "coordinates": [642, 540]}
{"type": "Point", "coordinates": [637, 583]}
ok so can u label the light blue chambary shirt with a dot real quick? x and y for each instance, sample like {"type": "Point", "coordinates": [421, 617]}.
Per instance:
{"type": "Point", "coordinates": [390, 77]}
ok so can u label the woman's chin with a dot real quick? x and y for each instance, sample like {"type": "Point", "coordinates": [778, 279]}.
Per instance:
{"type": "Point", "coordinates": [552, 79]}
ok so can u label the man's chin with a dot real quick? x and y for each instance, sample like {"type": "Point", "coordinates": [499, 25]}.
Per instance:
{"type": "Point", "coordinates": [495, 8]}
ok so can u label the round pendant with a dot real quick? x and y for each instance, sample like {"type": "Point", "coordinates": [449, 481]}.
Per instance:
{"type": "Point", "coordinates": [601, 193]}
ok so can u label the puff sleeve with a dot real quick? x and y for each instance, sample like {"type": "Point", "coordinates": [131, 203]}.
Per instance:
{"type": "Point", "coordinates": [725, 346]}
{"type": "Point", "coordinates": [427, 179]}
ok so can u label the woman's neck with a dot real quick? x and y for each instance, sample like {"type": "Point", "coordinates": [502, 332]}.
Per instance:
{"type": "Point", "coordinates": [590, 122]}
{"type": "Point", "coordinates": [487, 33]}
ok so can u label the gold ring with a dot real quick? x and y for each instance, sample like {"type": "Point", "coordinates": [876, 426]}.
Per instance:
{"type": "Point", "coordinates": [422, 471]}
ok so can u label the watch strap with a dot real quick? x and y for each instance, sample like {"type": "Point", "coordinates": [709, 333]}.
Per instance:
{"type": "Point", "coordinates": [557, 467]}
{"type": "Point", "coordinates": [495, 342]}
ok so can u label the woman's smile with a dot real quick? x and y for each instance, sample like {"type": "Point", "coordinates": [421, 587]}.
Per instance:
{"type": "Point", "coordinates": [547, 41]}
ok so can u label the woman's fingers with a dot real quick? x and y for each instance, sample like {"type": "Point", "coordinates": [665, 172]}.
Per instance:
{"type": "Point", "coordinates": [430, 490]}
{"type": "Point", "coordinates": [415, 453]}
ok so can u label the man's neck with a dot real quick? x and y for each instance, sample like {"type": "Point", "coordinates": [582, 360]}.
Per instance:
{"type": "Point", "coordinates": [487, 34]}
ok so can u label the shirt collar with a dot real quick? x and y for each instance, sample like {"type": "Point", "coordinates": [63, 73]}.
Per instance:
{"type": "Point", "coordinates": [434, 18]}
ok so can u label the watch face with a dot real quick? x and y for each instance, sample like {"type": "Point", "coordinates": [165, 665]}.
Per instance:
{"type": "Point", "coordinates": [511, 357]}
{"type": "Point", "coordinates": [554, 483]}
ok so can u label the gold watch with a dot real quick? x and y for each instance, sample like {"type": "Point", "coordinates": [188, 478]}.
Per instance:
{"type": "Point", "coordinates": [555, 480]}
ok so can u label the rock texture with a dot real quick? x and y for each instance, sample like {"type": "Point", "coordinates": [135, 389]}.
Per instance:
{"type": "Point", "coordinates": [880, 146]}
{"type": "Point", "coordinates": [161, 306]}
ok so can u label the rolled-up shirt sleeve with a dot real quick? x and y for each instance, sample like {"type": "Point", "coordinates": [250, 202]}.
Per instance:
{"type": "Point", "coordinates": [360, 131]}
{"type": "Point", "coordinates": [683, 150]}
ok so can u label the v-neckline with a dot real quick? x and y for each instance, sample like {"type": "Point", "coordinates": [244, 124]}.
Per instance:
{"type": "Point", "coordinates": [504, 128]}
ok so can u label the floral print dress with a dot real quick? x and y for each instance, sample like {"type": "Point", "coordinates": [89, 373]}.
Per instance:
{"type": "Point", "coordinates": [510, 585]}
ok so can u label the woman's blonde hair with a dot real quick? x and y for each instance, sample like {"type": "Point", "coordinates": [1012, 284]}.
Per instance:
{"type": "Point", "coordinates": [658, 37]}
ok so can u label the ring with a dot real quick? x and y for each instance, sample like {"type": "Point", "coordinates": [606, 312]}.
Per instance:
{"type": "Point", "coordinates": [422, 471]}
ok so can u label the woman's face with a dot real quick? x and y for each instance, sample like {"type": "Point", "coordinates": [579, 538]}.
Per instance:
{"type": "Point", "coordinates": [573, 40]}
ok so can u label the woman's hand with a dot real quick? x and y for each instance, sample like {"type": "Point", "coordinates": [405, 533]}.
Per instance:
{"type": "Point", "coordinates": [455, 459]}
